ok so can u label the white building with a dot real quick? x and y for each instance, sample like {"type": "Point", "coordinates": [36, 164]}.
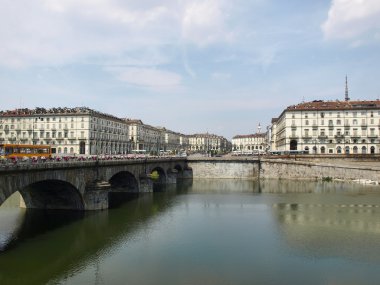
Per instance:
{"type": "Point", "coordinates": [328, 127]}
{"type": "Point", "coordinates": [143, 137]}
{"type": "Point", "coordinates": [154, 139]}
{"type": "Point", "coordinates": [173, 142]}
{"type": "Point", "coordinates": [67, 130]}
{"type": "Point", "coordinates": [253, 143]}
{"type": "Point", "coordinates": [208, 143]}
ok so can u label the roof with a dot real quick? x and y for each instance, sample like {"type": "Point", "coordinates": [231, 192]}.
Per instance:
{"type": "Point", "coordinates": [320, 105]}
{"type": "Point", "coordinates": [274, 120]}
{"type": "Point", "coordinates": [38, 111]}
{"type": "Point", "coordinates": [257, 135]}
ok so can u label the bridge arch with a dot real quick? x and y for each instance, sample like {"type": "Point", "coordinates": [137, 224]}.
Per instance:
{"type": "Point", "coordinates": [124, 181]}
{"type": "Point", "coordinates": [178, 168]}
{"type": "Point", "coordinates": [52, 194]}
{"type": "Point", "coordinates": [161, 174]}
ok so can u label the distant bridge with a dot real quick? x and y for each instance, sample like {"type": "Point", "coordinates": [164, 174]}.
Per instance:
{"type": "Point", "coordinates": [87, 185]}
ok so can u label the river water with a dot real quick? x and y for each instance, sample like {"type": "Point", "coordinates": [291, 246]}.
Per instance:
{"type": "Point", "coordinates": [202, 232]}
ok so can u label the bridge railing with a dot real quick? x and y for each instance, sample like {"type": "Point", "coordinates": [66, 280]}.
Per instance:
{"type": "Point", "coordinates": [30, 162]}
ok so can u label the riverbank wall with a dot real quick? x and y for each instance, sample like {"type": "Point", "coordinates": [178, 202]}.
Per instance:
{"type": "Point", "coordinates": [281, 169]}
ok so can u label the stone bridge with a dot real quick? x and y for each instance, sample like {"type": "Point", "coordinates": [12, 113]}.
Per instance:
{"type": "Point", "coordinates": [87, 185]}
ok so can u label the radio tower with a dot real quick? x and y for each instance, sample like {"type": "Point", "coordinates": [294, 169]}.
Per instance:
{"type": "Point", "coordinates": [346, 98]}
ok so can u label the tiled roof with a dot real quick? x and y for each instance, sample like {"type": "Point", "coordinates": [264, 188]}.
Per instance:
{"type": "Point", "coordinates": [335, 105]}
{"type": "Point", "coordinates": [257, 135]}
{"type": "Point", "coordinates": [24, 112]}
{"type": "Point", "coordinates": [274, 120]}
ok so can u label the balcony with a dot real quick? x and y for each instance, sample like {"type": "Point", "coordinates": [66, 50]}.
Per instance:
{"type": "Point", "coordinates": [372, 136]}
{"type": "Point", "coordinates": [339, 136]}
{"type": "Point", "coordinates": [306, 137]}
{"type": "Point", "coordinates": [322, 137]}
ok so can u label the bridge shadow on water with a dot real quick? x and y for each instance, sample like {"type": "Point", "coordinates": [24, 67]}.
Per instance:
{"type": "Point", "coordinates": [49, 244]}
{"type": "Point", "coordinates": [37, 222]}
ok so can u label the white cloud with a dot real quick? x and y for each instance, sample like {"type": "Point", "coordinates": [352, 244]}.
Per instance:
{"type": "Point", "coordinates": [159, 80]}
{"type": "Point", "coordinates": [220, 76]}
{"type": "Point", "coordinates": [356, 20]}
{"type": "Point", "coordinates": [43, 32]}
{"type": "Point", "coordinates": [204, 22]}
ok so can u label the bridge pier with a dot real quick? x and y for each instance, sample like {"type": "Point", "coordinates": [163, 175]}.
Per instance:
{"type": "Point", "coordinates": [187, 173]}
{"type": "Point", "coordinates": [146, 184]}
{"type": "Point", "coordinates": [171, 177]}
{"type": "Point", "coordinates": [96, 195]}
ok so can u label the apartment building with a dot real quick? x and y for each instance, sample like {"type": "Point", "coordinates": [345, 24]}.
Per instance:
{"type": "Point", "coordinates": [208, 143]}
{"type": "Point", "coordinates": [328, 127]}
{"type": "Point", "coordinates": [72, 131]}
{"type": "Point", "coordinates": [252, 143]}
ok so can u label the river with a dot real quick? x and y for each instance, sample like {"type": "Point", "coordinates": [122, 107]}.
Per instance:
{"type": "Point", "coordinates": [202, 232]}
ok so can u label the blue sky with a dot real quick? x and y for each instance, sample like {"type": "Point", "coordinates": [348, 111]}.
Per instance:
{"type": "Point", "coordinates": [192, 66]}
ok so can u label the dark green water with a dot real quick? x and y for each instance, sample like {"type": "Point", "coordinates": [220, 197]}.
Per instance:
{"type": "Point", "coordinates": [210, 232]}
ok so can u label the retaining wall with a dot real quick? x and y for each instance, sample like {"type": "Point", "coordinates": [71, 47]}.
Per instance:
{"type": "Point", "coordinates": [254, 169]}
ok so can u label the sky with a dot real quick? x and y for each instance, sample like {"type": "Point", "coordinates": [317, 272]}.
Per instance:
{"type": "Point", "coordinates": [216, 66]}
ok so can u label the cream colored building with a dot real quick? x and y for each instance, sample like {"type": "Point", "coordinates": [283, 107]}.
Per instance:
{"type": "Point", "coordinates": [155, 139]}
{"type": "Point", "coordinates": [67, 130]}
{"type": "Point", "coordinates": [173, 142]}
{"type": "Point", "coordinates": [250, 144]}
{"type": "Point", "coordinates": [143, 137]}
{"type": "Point", "coordinates": [328, 127]}
{"type": "Point", "coordinates": [208, 143]}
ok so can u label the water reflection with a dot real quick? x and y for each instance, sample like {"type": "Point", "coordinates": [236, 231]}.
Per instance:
{"type": "Point", "coordinates": [207, 232]}
{"type": "Point", "coordinates": [66, 241]}
{"type": "Point", "coordinates": [331, 230]}
{"type": "Point", "coordinates": [225, 186]}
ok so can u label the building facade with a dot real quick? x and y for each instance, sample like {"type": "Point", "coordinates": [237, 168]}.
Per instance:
{"type": "Point", "coordinates": [143, 137]}
{"type": "Point", "coordinates": [328, 127]}
{"type": "Point", "coordinates": [67, 130]}
{"type": "Point", "coordinates": [250, 144]}
{"type": "Point", "coordinates": [208, 143]}
{"type": "Point", "coordinates": [173, 142]}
